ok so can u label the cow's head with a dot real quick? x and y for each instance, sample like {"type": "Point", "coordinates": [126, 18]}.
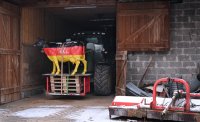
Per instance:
{"type": "Point", "coordinates": [40, 43]}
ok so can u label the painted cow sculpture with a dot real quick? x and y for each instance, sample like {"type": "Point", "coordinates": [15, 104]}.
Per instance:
{"type": "Point", "coordinates": [71, 53]}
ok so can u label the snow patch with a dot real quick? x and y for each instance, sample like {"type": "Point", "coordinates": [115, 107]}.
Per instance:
{"type": "Point", "coordinates": [90, 114]}
{"type": "Point", "coordinates": [3, 111]}
{"type": "Point", "coordinates": [55, 106]}
{"type": "Point", "coordinates": [37, 112]}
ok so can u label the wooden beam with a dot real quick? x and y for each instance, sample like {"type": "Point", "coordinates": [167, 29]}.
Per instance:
{"type": "Point", "coordinates": [66, 3]}
{"type": "Point", "coordinates": [12, 11]}
{"type": "Point", "coordinates": [10, 51]}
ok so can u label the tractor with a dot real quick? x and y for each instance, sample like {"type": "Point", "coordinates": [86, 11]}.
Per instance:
{"type": "Point", "coordinates": [100, 60]}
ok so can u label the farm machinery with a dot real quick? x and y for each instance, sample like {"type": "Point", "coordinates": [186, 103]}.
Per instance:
{"type": "Point", "coordinates": [183, 106]}
{"type": "Point", "coordinates": [89, 55]}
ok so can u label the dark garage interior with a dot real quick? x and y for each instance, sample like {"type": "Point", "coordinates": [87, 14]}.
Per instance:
{"type": "Point", "coordinates": [55, 22]}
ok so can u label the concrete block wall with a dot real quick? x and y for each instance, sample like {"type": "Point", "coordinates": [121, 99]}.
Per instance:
{"type": "Point", "coordinates": [184, 54]}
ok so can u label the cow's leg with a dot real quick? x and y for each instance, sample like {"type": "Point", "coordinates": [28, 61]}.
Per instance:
{"type": "Point", "coordinates": [85, 66]}
{"type": "Point", "coordinates": [54, 68]}
{"type": "Point", "coordinates": [52, 58]}
{"type": "Point", "coordinates": [77, 62]}
{"type": "Point", "coordinates": [57, 66]}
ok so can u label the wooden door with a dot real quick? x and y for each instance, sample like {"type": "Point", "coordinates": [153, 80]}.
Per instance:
{"type": "Point", "coordinates": [141, 26]}
{"type": "Point", "coordinates": [9, 53]}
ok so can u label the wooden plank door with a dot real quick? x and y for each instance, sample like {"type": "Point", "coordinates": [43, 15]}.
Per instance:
{"type": "Point", "coordinates": [141, 26]}
{"type": "Point", "coordinates": [9, 53]}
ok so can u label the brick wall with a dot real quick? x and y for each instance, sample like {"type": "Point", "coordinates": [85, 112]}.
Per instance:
{"type": "Point", "coordinates": [184, 54]}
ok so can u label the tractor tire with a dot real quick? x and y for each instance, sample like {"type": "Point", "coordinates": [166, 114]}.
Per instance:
{"type": "Point", "coordinates": [102, 80]}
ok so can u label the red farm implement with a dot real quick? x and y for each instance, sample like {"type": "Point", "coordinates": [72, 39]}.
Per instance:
{"type": "Point", "coordinates": [183, 106]}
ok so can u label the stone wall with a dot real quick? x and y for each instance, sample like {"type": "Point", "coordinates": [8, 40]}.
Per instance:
{"type": "Point", "coordinates": [184, 55]}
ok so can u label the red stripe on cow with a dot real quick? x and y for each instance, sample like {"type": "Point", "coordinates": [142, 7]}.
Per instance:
{"type": "Point", "coordinates": [75, 50]}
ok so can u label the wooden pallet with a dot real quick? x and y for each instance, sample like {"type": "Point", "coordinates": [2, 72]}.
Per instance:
{"type": "Point", "coordinates": [66, 84]}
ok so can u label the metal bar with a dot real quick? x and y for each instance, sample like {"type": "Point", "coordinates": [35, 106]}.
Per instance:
{"type": "Point", "coordinates": [47, 85]}
{"type": "Point", "coordinates": [164, 80]}
{"type": "Point", "coordinates": [169, 104]}
{"type": "Point", "coordinates": [195, 95]}
{"type": "Point", "coordinates": [84, 85]}
{"type": "Point", "coordinates": [138, 84]}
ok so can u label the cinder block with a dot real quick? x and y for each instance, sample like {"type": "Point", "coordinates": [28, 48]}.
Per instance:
{"type": "Point", "coordinates": [173, 44]}
{"type": "Point", "coordinates": [182, 18]}
{"type": "Point", "coordinates": [171, 71]}
{"type": "Point", "coordinates": [141, 70]}
{"type": "Point", "coordinates": [177, 12]}
{"type": "Point", "coordinates": [184, 71]}
{"type": "Point", "coordinates": [198, 11]}
{"type": "Point", "coordinates": [129, 64]}
{"type": "Point", "coordinates": [189, 12]}
{"type": "Point", "coordinates": [171, 57]}
{"type": "Point", "coordinates": [172, 19]}
{"type": "Point", "coordinates": [158, 58]}
{"type": "Point", "coordinates": [148, 63]}
{"type": "Point", "coordinates": [183, 44]}
{"type": "Point", "coordinates": [176, 24]}
{"type": "Point", "coordinates": [189, 64]}
{"type": "Point", "coordinates": [181, 6]}
{"type": "Point", "coordinates": [128, 76]}
{"type": "Point", "coordinates": [198, 50]}
{"type": "Point", "coordinates": [194, 4]}
{"type": "Point", "coordinates": [195, 18]}
{"type": "Point", "coordinates": [189, 51]}
{"type": "Point", "coordinates": [162, 64]}
{"type": "Point", "coordinates": [177, 38]}
{"type": "Point", "coordinates": [175, 64]}
{"type": "Point", "coordinates": [150, 77]}
{"type": "Point", "coordinates": [184, 58]}
{"type": "Point", "coordinates": [132, 71]}
{"type": "Point", "coordinates": [189, 25]}
{"type": "Point", "coordinates": [134, 82]}
{"type": "Point", "coordinates": [176, 51]}
{"type": "Point", "coordinates": [161, 70]}
{"type": "Point", "coordinates": [187, 77]}
{"type": "Point", "coordinates": [136, 77]}
{"type": "Point", "coordinates": [186, 38]}
{"type": "Point", "coordinates": [152, 71]}
{"type": "Point", "coordinates": [137, 64]}
{"type": "Point", "coordinates": [144, 58]}
{"type": "Point", "coordinates": [195, 57]}
{"type": "Point", "coordinates": [197, 39]}
{"type": "Point", "coordinates": [132, 57]}
{"type": "Point", "coordinates": [163, 76]}
{"type": "Point", "coordinates": [185, 32]}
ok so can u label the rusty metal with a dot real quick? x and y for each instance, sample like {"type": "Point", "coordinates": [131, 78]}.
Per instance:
{"type": "Point", "coordinates": [139, 83]}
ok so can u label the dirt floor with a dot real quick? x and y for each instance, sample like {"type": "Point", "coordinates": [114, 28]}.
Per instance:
{"type": "Point", "coordinates": [59, 109]}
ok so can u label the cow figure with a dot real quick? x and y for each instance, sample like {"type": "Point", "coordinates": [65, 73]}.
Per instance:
{"type": "Point", "coordinates": [69, 51]}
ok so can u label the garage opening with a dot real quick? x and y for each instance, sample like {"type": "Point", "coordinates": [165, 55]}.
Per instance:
{"type": "Point", "coordinates": [93, 24]}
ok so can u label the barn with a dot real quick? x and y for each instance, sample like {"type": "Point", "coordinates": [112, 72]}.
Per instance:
{"type": "Point", "coordinates": [151, 39]}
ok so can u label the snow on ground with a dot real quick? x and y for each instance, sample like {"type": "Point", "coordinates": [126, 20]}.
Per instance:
{"type": "Point", "coordinates": [94, 114]}
{"type": "Point", "coordinates": [38, 112]}
{"type": "Point", "coordinates": [3, 111]}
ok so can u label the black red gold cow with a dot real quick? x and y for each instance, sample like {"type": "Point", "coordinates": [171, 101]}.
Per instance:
{"type": "Point", "coordinates": [74, 54]}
